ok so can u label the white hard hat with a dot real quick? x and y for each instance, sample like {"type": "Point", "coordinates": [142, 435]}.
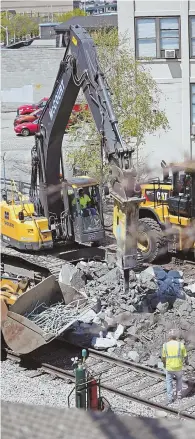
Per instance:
{"type": "Point", "coordinates": [173, 333]}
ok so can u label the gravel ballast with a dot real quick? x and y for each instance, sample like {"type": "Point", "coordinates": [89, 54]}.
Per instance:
{"type": "Point", "coordinates": [19, 385]}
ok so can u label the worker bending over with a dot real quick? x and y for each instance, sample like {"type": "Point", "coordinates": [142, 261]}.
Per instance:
{"type": "Point", "coordinates": [85, 204]}
{"type": "Point", "coordinates": [173, 355]}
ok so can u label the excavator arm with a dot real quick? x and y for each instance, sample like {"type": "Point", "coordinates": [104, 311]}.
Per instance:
{"type": "Point", "coordinates": [79, 69]}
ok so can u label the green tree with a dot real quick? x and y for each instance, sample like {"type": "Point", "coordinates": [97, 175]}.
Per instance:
{"type": "Point", "coordinates": [135, 98]}
{"type": "Point", "coordinates": [67, 15]}
{"type": "Point", "coordinates": [18, 25]}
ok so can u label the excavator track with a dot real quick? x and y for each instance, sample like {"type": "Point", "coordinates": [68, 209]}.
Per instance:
{"type": "Point", "coordinates": [50, 262]}
{"type": "Point", "coordinates": [47, 262]}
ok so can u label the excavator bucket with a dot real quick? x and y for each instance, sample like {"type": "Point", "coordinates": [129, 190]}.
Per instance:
{"type": "Point", "coordinates": [42, 314]}
{"type": "Point", "coordinates": [4, 311]}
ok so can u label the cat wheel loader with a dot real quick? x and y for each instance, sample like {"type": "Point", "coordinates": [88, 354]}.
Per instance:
{"type": "Point", "coordinates": [167, 217]}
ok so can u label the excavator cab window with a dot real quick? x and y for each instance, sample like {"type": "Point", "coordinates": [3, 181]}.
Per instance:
{"type": "Point", "coordinates": [88, 207]}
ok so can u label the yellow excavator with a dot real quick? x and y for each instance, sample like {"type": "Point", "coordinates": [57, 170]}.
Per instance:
{"type": "Point", "coordinates": [53, 211]}
{"type": "Point", "coordinates": [11, 288]}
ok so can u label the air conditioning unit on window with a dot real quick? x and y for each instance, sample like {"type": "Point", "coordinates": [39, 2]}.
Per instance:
{"type": "Point", "coordinates": [170, 53]}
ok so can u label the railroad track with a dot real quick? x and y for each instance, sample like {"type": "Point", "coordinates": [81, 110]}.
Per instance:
{"type": "Point", "coordinates": [125, 379]}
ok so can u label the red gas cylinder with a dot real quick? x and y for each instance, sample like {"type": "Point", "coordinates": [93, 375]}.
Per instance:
{"type": "Point", "coordinates": [93, 395]}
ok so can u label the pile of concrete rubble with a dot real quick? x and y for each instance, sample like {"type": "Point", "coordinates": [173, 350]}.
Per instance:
{"type": "Point", "coordinates": [133, 325]}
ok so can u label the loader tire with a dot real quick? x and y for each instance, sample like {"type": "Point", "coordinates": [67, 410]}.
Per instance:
{"type": "Point", "coordinates": [151, 241]}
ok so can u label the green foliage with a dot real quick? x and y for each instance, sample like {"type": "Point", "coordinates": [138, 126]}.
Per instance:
{"type": "Point", "coordinates": [67, 15]}
{"type": "Point", "coordinates": [135, 98]}
{"type": "Point", "coordinates": [18, 25]}
{"type": "Point", "coordinates": [88, 158]}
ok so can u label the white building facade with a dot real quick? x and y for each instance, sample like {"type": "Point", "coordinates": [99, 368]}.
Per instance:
{"type": "Point", "coordinates": [164, 31]}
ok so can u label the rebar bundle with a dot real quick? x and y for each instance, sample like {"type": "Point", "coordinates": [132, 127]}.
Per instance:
{"type": "Point", "coordinates": [52, 319]}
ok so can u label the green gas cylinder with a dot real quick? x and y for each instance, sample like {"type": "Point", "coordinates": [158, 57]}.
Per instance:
{"type": "Point", "coordinates": [81, 382]}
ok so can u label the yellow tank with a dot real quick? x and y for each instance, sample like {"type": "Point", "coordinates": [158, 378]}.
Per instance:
{"type": "Point", "coordinates": [21, 228]}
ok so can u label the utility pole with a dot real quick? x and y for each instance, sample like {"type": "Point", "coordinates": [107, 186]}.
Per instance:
{"type": "Point", "coordinates": [4, 171]}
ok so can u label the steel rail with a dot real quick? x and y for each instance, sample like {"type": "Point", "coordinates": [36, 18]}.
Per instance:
{"type": "Point", "coordinates": [63, 374]}
{"type": "Point", "coordinates": [121, 362]}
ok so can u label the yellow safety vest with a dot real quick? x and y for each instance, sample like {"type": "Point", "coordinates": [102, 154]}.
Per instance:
{"type": "Point", "coordinates": [174, 352]}
{"type": "Point", "coordinates": [84, 200]}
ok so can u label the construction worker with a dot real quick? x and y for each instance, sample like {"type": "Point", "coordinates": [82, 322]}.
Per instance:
{"type": "Point", "coordinates": [173, 355]}
{"type": "Point", "coordinates": [85, 202]}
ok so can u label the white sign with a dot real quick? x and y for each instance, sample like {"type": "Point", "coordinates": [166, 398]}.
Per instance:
{"type": "Point", "coordinates": [56, 99]}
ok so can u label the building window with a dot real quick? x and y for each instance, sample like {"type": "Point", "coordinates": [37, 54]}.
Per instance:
{"type": "Point", "coordinates": [192, 37]}
{"type": "Point", "coordinates": [146, 37]}
{"type": "Point", "coordinates": [155, 35]}
{"type": "Point", "coordinates": [193, 104]}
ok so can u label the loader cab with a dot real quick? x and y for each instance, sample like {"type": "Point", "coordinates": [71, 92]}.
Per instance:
{"type": "Point", "coordinates": [87, 216]}
{"type": "Point", "coordinates": [182, 201]}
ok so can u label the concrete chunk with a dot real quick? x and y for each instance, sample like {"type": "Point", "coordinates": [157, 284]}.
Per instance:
{"type": "Point", "coordinates": [103, 343]}
{"type": "Point", "coordinates": [153, 361]}
{"type": "Point", "coordinates": [191, 288]}
{"type": "Point", "coordinates": [162, 307]}
{"type": "Point", "coordinates": [112, 276]}
{"type": "Point", "coordinates": [119, 331]}
{"type": "Point", "coordinates": [88, 316]}
{"type": "Point", "coordinates": [133, 356]}
{"type": "Point", "coordinates": [70, 275]}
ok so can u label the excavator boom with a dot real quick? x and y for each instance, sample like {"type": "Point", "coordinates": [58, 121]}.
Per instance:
{"type": "Point", "coordinates": [79, 69]}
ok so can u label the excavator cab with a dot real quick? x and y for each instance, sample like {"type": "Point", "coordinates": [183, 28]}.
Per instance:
{"type": "Point", "coordinates": [85, 209]}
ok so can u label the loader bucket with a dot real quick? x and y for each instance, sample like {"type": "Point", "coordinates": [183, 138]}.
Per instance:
{"type": "Point", "coordinates": [21, 334]}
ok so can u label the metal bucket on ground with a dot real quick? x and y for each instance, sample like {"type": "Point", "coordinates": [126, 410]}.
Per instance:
{"type": "Point", "coordinates": [34, 320]}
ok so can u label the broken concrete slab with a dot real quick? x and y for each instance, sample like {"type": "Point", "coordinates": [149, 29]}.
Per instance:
{"type": "Point", "coordinates": [185, 307]}
{"type": "Point", "coordinates": [97, 320]}
{"type": "Point", "coordinates": [190, 288]}
{"type": "Point", "coordinates": [89, 316]}
{"type": "Point", "coordinates": [112, 276]}
{"type": "Point", "coordinates": [177, 303]}
{"type": "Point", "coordinates": [70, 275]}
{"type": "Point", "coordinates": [103, 343]}
{"type": "Point", "coordinates": [153, 361]}
{"type": "Point", "coordinates": [162, 307]}
{"type": "Point", "coordinates": [150, 271]}
{"type": "Point", "coordinates": [160, 365]}
{"type": "Point", "coordinates": [120, 343]}
{"type": "Point", "coordinates": [134, 356]}
{"type": "Point", "coordinates": [119, 332]}
{"type": "Point", "coordinates": [125, 318]}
